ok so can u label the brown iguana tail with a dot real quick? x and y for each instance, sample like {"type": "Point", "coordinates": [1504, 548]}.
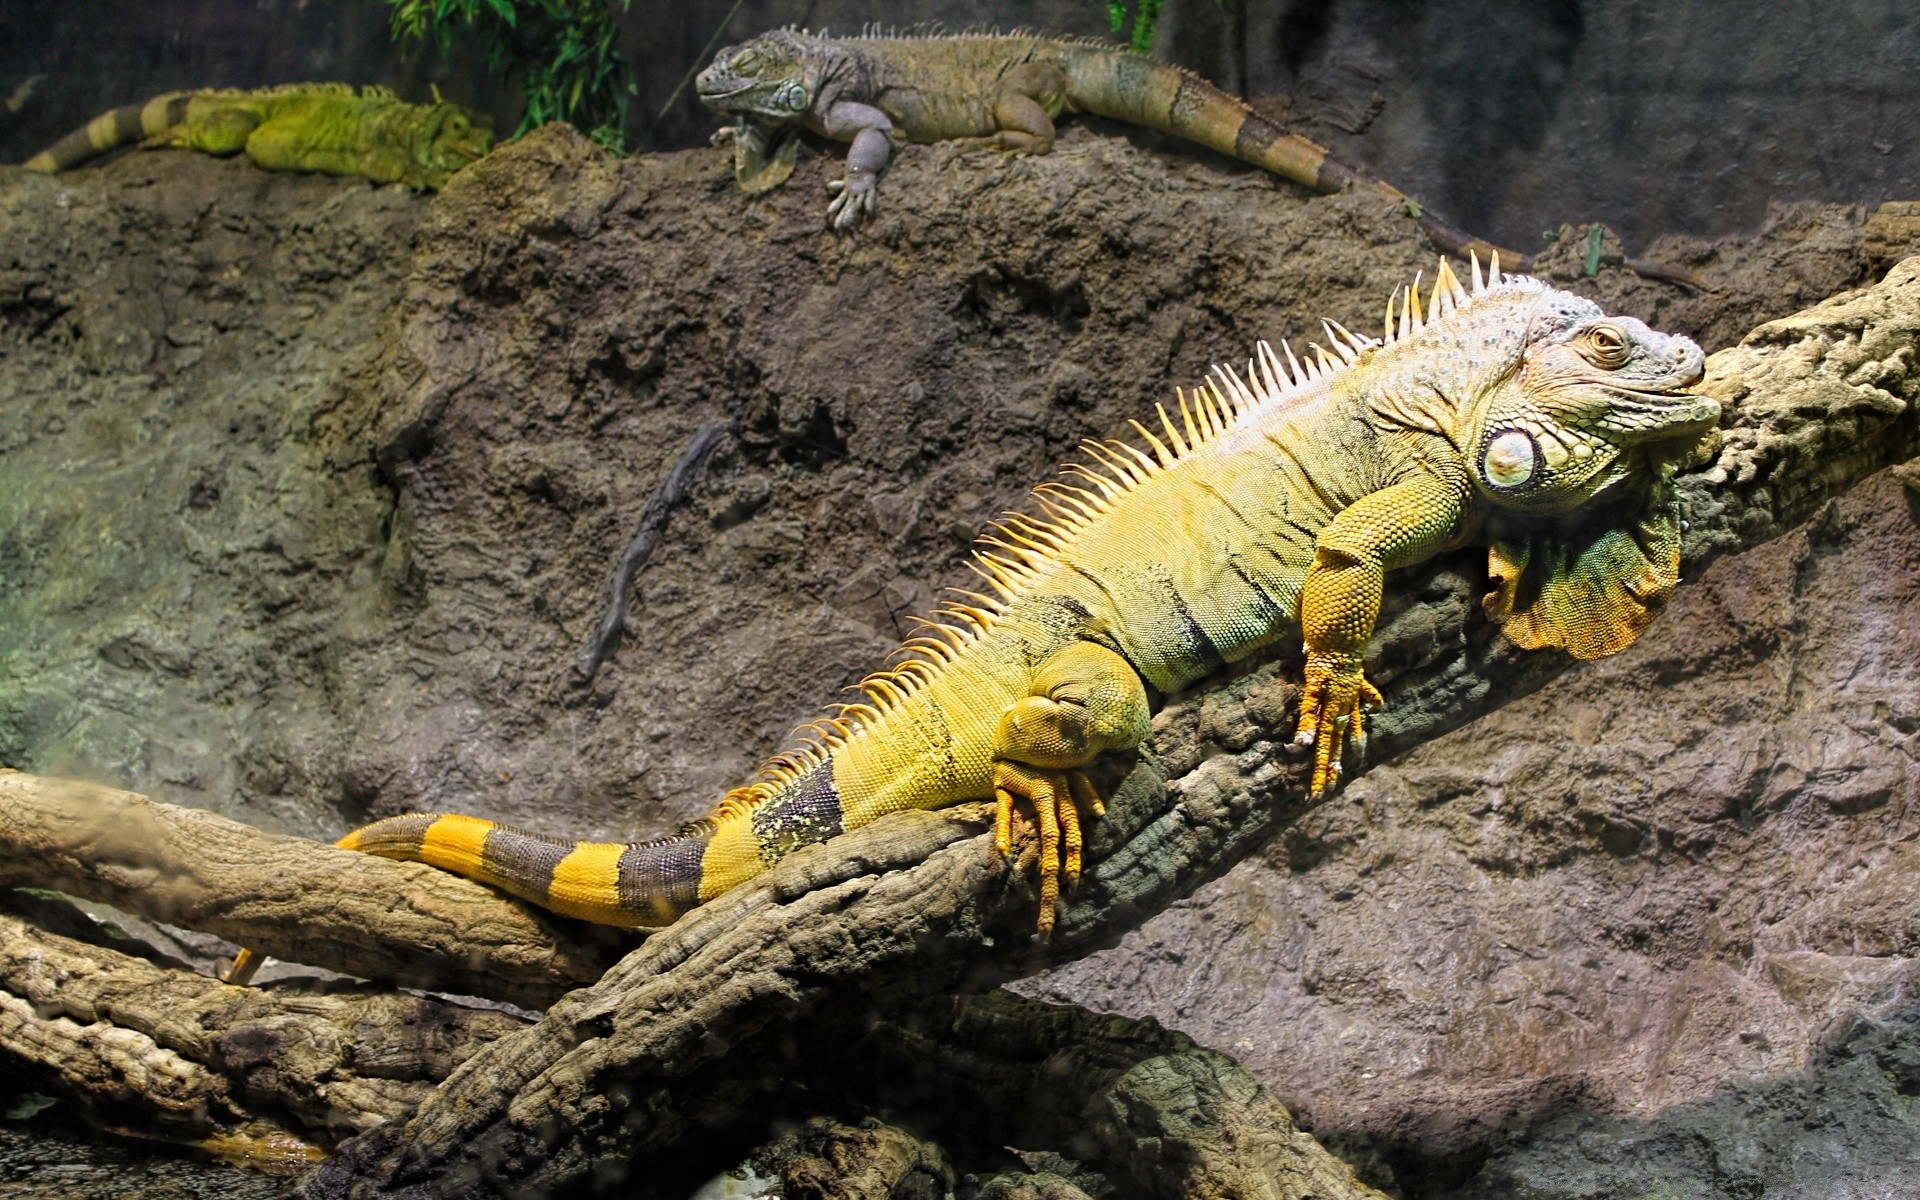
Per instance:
{"type": "Point", "coordinates": [1114, 83]}
{"type": "Point", "coordinates": [120, 127]}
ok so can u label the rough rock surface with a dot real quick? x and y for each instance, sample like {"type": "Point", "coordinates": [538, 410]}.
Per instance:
{"type": "Point", "coordinates": [306, 521]}
{"type": "Point", "coordinates": [1660, 880]}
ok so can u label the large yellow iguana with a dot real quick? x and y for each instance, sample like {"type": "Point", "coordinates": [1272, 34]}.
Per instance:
{"type": "Point", "coordinates": [324, 127]}
{"type": "Point", "coordinates": [1002, 92]}
{"type": "Point", "coordinates": [1512, 415]}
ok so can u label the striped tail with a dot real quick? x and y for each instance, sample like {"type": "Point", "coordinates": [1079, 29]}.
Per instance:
{"type": "Point", "coordinates": [121, 127]}
{"type": "Point", "coordinates": [1139, 91]}
{"type": "Point", "coordinates": [633, 884]}
{"type": "Point", "coordinates": [643, 884]}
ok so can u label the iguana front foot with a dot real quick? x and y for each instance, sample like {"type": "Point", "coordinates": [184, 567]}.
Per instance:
{"type": "Point", "coordinates": [853, 197]}
{"type": "Point", "coordinates": [1057, 797]}
{"type": "Point", "coordinates": [1333, 712]}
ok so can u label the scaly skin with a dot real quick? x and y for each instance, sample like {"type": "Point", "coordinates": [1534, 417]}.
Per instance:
{"type": "Point", "coordinates": [1517, 417]}
{"type": "Point", "coordinates": [302, 127]}
{"type": "Point", "coordinates": [993, 91]}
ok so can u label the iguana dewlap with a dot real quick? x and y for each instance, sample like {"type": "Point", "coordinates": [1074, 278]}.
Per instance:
{"type": "Point", "coordinates": [325, 127]}
{"type": "Point", "coordinates": [1513, 416]}
{"type": "Point", "coordinates": [992, 90]}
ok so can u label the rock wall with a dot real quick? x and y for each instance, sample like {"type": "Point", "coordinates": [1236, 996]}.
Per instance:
{"type": "Point", "coordinates": [313, 488]}
{"type": "Point", "coordinates": [1689, 117]}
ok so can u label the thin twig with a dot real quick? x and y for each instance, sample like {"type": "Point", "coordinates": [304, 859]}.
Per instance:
{"type": "Point", "coordinates": [705, 50]}
{"type": "Point", "coordinates": [653, 522]}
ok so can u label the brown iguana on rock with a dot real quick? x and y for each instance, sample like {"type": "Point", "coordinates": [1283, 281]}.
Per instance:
{"type": "Point", "coordinates": [1002, 92]}
{"type": "Point", "coordinates": [1511, 415]}
{"type": "Point", "coordinates": [324, 127]}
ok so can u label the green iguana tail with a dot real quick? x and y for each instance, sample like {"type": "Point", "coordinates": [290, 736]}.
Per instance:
{"type": "Point", "coordinates": [120, 127]}
{"type": "Point", "coordinates": [1127, 87]}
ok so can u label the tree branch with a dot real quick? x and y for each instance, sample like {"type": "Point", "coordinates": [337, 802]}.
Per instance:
{"type": "Point", "coordinates": [291, 897]}
{"type": "Point", "coordinates": [251, 1074]}
{"type": "Point", "coordinates": [920, 903]}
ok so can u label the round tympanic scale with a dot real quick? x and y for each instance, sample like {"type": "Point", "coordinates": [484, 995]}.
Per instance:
{"type": "Point", "coordinates": [1510, 459]}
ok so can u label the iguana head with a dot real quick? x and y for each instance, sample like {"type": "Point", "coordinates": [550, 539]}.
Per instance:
{"type": "Point", "coordinates": [771, 78]}
{"type": "Point", "coordinates": [1571, 424]}
{"type": "Point", "coordinates": [443, 139]}
{"type": "Point", "coordinates": [1589, 401]}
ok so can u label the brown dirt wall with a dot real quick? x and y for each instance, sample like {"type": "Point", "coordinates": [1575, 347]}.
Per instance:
{"type": "Point", "coordinates": [312, 490]}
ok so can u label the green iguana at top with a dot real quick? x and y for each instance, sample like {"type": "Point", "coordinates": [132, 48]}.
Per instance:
{"type": "Point", "coordinates": [324, 127]}
{"type": "Point", "coordinates": [1001, 92]}
{"type": "Point", "coordinates": [1267, 505]}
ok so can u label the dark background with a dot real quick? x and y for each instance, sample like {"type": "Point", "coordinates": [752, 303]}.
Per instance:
{"type": "Point", "coordinates": [1509, 118]}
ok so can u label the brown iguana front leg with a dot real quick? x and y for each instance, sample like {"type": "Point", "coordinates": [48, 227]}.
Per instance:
{"type": "Point", "coordinates": [1340, 600]}
{"type": "Point", "coordinates": [1085, 700]}
{"type": "Point", "coordinates": [871, 132]}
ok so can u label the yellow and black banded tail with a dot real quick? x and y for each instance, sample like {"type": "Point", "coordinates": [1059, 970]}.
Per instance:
{"type": "Point", "coordinates": [1127, 87]}
{"type": "Point", "coordinates": [121, 127]}
{"type": "Point", "coordinates": [645, 884]}
{"type": "Point", "coordinates": [633, 884]}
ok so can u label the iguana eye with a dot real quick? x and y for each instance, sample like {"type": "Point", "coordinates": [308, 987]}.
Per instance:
{"type": "Point", "coordinates": [1509, 460]}
{"type": "Point", "coordinates": [747, 62]}
{"type": "Point", "coordinates": [1606, 345]}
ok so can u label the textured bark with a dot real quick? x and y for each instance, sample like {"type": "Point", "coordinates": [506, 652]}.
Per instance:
{"type": "Point", "coordinates": [1148, 1108]}
{"type": "Point", "coordinates": [290, 897]}
{"type": "Point", "coordinates": [920, 903]}
{"type": "Point", "coordinates": [251, 1074]}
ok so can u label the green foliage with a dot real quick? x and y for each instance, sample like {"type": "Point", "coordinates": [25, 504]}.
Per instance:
{"type": "Point", "coordinates": [1594, 234]}
{"type": "Point", "coordinates": [565, 53]}
{"type": "Point", "coordinates": [1146, 18]}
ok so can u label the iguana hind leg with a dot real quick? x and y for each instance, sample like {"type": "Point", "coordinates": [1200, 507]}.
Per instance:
{"type": "Point", "coordinates": [1085, 700]}
{"type": "Point", "coordinates": [1029, 97]}
{"type": "Point", "coordinates": [220, 131]}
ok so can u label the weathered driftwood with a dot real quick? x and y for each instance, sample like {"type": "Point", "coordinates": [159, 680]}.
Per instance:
{"type": "Point", "coordinates": [1140, 1107]}
{"type": "Point", "coordinates": [260, 1075]}
{"type": "Point", "coordinates": [1144, 1106]}
{"type": "Point", "coordinates": [270, 1076]}
{"type": "Point", "coordinates": [920, 903]}
{"type": "Point", "coordinates": [290, 897]}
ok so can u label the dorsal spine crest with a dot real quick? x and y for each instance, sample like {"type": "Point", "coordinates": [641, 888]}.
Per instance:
{"type": "Point", "coordinates": [1019, 547]}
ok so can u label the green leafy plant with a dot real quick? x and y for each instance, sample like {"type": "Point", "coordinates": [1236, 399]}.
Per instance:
{"type": "Point", "coordinates": [565, 53]}
{"type": "Point", "coordinates": [1146, 18]}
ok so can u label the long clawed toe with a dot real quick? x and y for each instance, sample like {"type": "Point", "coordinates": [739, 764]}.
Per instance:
{"type": "Point", "coordinates": [1333, 716]}
{"type": "Point", "coordinates": [1057, 798]}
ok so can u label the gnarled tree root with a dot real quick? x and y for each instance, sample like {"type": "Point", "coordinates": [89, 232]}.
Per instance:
{"type": "Point", "coordinates": [255, 1075]}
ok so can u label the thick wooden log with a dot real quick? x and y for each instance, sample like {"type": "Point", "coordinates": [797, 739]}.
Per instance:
{"type": "Point", "coordinates": [266, 1076]}
{"type": "Point", "coordinates": [921, 903]}
{"type": "Point", "coordinates": [291, 897]}
{"type": "Point", "coordinates": [1144, 1106]}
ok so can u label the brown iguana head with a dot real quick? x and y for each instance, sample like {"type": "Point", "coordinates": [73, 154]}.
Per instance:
{"type": "Point", "coordinates": [1589, 401]}
{"type": "Point", "coordinates": [770, 78]}
{"type": "Point", "coordinates": [443, 139]}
